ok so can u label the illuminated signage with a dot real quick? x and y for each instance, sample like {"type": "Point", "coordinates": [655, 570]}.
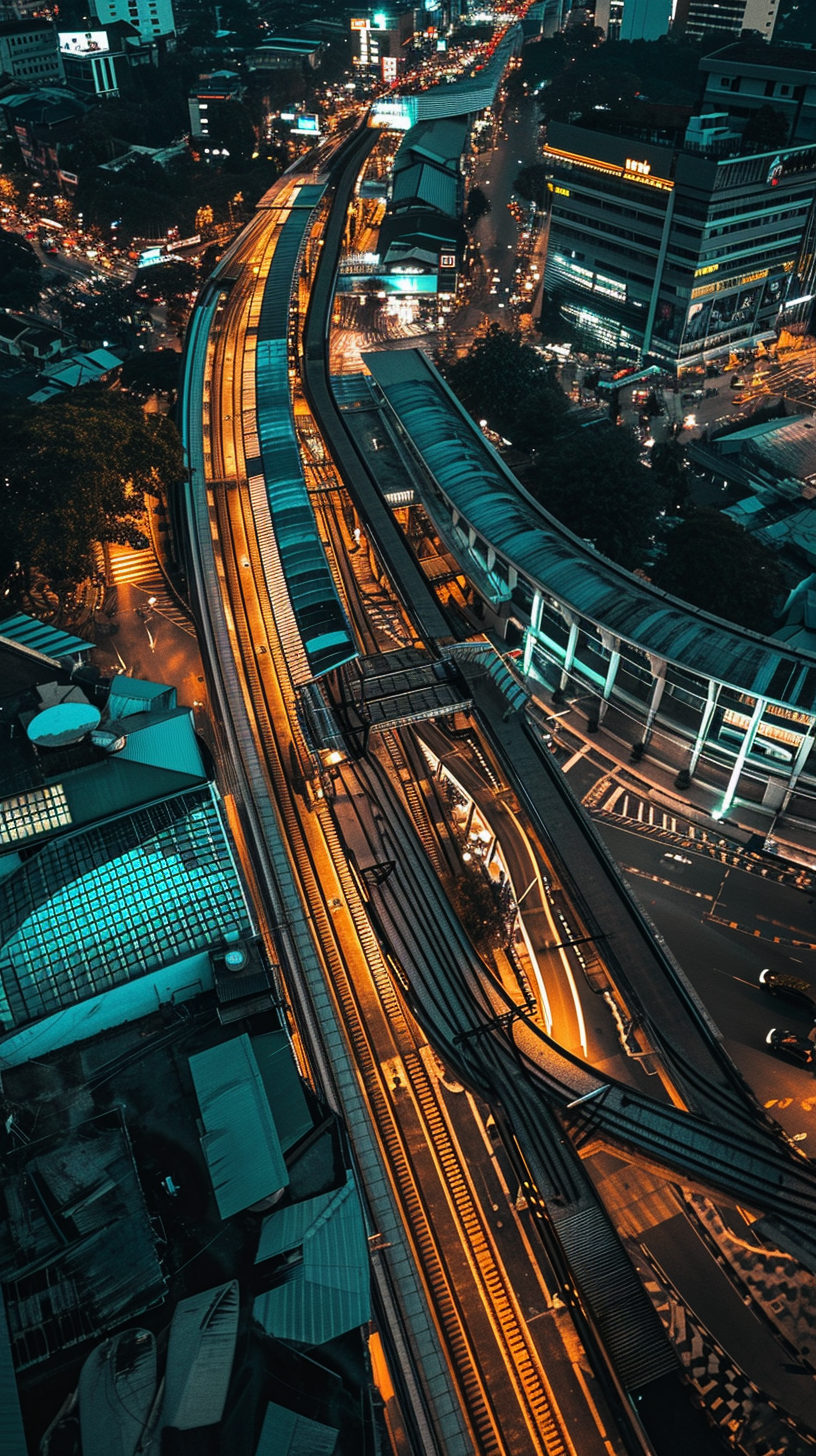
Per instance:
{"type": "Point", "coordinates": [709, 268]}
{"type": "Point", "coordinates": [447, 260]}
{"type": "Point", "coordinates": [359, 25]}
{"type": "Point", "coordinates": [82, 42]}
{"type": "Point", "coordinates": [562, 191]}
{"type": "Point", "coordinates": [389, 68]}
{"type": "Point", "coordinates": [642, 169]}
{"type": "Point", "coordinates": [309, 123]}
{"type": "Point", "coordinates": [775, 171]}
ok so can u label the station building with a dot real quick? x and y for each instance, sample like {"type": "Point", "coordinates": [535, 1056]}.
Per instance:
{"type": "Point", "coordinates": [118, 883]}
{"type": "Point", "coordinates": [586, 628]}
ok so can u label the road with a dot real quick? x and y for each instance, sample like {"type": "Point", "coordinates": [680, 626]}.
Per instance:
{"type": "Point", "coordinates": [724, 964]}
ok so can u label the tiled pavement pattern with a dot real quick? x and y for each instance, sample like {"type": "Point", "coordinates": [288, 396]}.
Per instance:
{"type": "Point", "coordinates": [782, 1288]}
{"type": "Point", "coordinates": [748, 1421]}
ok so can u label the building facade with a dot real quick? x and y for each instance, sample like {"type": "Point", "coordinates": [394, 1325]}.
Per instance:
{"type": "Point", "coordinates": [151, 18]}
{"type": "Point", "coordinates": [380, 40]}
{"type": "Point", "coordinates": [727, 18]}
{"type": "Point", "coordinates": [747, 77]}
{"type": "Point", "coordinates": [29, 51]}
{"type": "Point", "coordinates": [670, 253]}
{"type": "Point", "coordinates": [89, 66]}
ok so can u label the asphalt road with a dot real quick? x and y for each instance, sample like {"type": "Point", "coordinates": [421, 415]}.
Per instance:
{"type": "Point", "coordinates": [723, 964]}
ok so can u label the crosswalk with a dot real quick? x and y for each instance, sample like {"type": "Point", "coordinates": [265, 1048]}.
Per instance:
{"type": "Point", "coordinates": [634, 807]}
{"type": "Point", "coordinates": [129, 567]}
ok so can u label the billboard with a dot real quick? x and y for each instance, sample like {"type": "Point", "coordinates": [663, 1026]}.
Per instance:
{"type": "Point", "coordinates": [308, 122]}
{"type": "Point", "coordinates": [406, 284]}
{"type": "Point", "coordinates": [82, 42]}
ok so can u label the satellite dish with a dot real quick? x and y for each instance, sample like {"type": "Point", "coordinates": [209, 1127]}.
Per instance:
{"type": "Point", "coordinates": [64, 723]}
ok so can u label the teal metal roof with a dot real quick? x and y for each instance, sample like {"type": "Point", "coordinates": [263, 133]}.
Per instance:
{"type": "Point", "coordinates": [165, 740]}
{"type": "Point", "coordinates": [240, 1141]}
{"type": "Point", "coordinates": [428, 186]}
{"type": "Point", "coordinates": [278, 1069]}
{"type": "Point", "coordinates": [12, 1435]}
{"type": "Point", "coordinates": [327, 1292]}
{"type": "Point", "coordinates": [102, 906]}
{"type": "Point", "coordinates": [324, 630]}
{"type": "Point", "coordinates": [200, 1354]}
{"type": "Point", "coordinates": [440, 141]}
{"type": "Point", "coordinates": [477, 483]}
{"type": "Point", "coordinates": [285, 1433]}
{"type": "Point", "coordinates": [39, 637]}
{"type": "Point", "coordinates": [136, 695]}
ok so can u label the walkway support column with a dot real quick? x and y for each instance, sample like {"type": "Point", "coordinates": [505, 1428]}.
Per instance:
{"type": "Point", "coordinates": [569, 657]}
{"type": "Point", "coordinates": [745, 749]}
{"type": "Point", "coordinates": [658, 667]}
{"type": "Point", "coordinates": [799, 763]}
{"type": "Point", "coordinates": [532, 631]}
{"type": "Point", "coordinates": [612, 645]}
{"type": "Point", "coordinates": [687, 774]}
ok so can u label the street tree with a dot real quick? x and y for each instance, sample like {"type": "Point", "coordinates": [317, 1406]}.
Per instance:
{"type": "Point", "coordinates": [591, 480]}
{"type": "Point", "coordinates": [716, 565]}
{"type": "Point", "coordinates": [478, 205]}
{"type": "Point", "coordinates": [531, 184]}
{"type": "Point", "coordinates": [76, 471]}
{"type": "Point", "coordinates": [496, 376]}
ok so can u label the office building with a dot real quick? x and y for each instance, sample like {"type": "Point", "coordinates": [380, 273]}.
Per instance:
{"type": "Point", "coordinates": [747, 76]}
{"type": "Point", "coordinates": [209, 92]}
{"type": "Point", "coordinates": [89, 66]}
{"type": "Point", "coordinates": [727, 18]}
{"type": "Point", "coordinates": [381, 39]}
{"type": "Point", "coordinates": [645, 19]}
{"type": "Point", "coordinates": [676, 251]}
{"type": "Point", "coordinates": [29, 51]}
{"type": "Point", "coordinates": [286, 53]}
{"type": "Point", "coordinates": [151, 18]}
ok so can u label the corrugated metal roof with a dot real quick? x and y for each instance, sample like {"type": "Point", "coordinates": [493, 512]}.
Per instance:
{"type": "Point", "coordinates": [442, 141]}
{"type": "Point", "coordinates": [131, 694]}
{"type": "Point", "coordinates": [12, 1435]}
{"type": "Point", "coordinates": [285, 1433]}
{"type": "Point", "coordinates": [277, 1066]}
{"type": "Point", "coordinates": [200, 1353]}
{"type": "Point", "coordinates": [51, 641]}
{"type": "Point", "coordinates": [117, 1387]}
{"type": "Point", "coordinates": [240, 1142]}
{"type": "Point", "coordinates": [328, 1291]}
{"type": "Point", "coordinates": [165, 740]}
{"type": "Point", "coordinates": [428, 185]}
{"type": "Point", "coordinates": [487, 495]}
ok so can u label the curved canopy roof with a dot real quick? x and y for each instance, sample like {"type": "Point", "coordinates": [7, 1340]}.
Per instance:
{"type": "Point", "coordinates": [479, 486]}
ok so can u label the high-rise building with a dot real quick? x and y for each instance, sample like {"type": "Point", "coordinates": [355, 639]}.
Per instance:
{"type": "Point", "coordinates": [29, 51]}
{"type": "Point", "coordinates": [380, 40]}
{"type": "Point", "coordinates": [726, 18]}
{"type": "Point", "coordinates": [151, 18]}
{"type": "Point", "coordinates": [90, 69]}
{"type": "Point", "coordinates": [645, 19]}
{"type": "Point", "coordinates": [668, 252]}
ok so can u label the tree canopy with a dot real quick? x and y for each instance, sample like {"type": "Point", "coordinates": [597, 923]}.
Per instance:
{"type": "Point", "coordinates": [592, 481]}
{"type": "Point", "coordinates": [713, 563]}
{"type": "Point", "coordinates": [766, 130]}
{"type": "Point", "coordinates": [20, 272]}
{"type": "Point", "coordinates": [478, 205]}
{"type": "Point", "coordinates": [76, 470]}
{"type": "Point", "coordinates": [498, 377]}
{"type": "Point", "coordinates": [531, 184]}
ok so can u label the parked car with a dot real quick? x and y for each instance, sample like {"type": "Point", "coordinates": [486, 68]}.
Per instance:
{"type": "Point", "coordinates": [678, 860]}
{"type": "Point", "coordinates": [737, 382]}
{"type": "Point", "coordinates": [790, 1046]}
{"type": "Point", "coordinates": [790, 988]}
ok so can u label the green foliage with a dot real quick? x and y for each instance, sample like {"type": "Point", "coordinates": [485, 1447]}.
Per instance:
{"type": "Point", "coordinates": [476, 902]}
{"type": "Point", "coordinates": [478, 205]}
{"type": "Point", "coordinates": [670, 472]}
{"type": "Point", "coordinates": [713, 563]}
{"type": "Point", "coordinates": [75, 472]}
{"type": "Point", "coordinates": [497, 377]}
{"type": "Point", "coordinates": [591, 480]}
{"type": "Point", "coordinates": [100, 314]}
{"type": "Point", "coordinates": [20, 272]}
{"type": "Point", "coordinates": [152, 373]}
{"type": "Point", "coordinates": [531, 184]}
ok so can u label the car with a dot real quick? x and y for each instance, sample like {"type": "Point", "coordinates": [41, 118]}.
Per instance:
{"type": "Point", "coordinates": [737, 382]}
{"type": "Point", "coordinates": [789, 988]}
{"type": "Point", "coordinates": [681, 860]}
{"type": "Point", "coordinates": [790, 1046]}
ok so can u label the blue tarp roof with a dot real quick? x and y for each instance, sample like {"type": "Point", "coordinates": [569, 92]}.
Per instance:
{"type": "Point", "coordinates": [240, 1141]}
{"type": "Point", "coordinates": [328, 1291]}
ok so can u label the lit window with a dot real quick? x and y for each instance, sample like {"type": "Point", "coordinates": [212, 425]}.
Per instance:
{"type": "Point", "coordinates": [33, 813]}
